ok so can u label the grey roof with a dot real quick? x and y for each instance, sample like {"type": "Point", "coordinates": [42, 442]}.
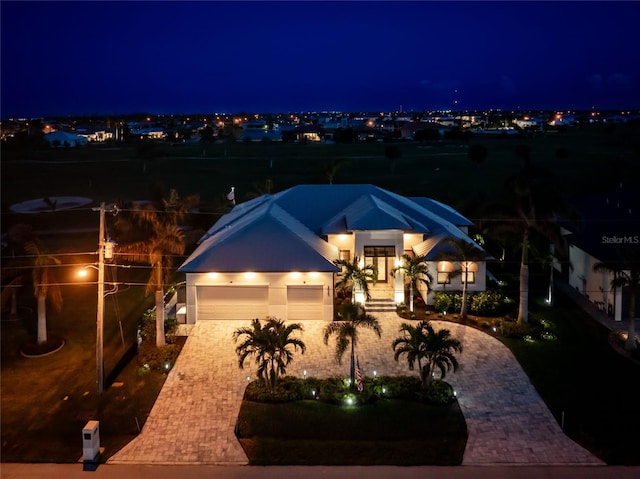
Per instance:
{"type": "Point", "coordinates": [284, 231]}
{"type": "Point", "coordinates": [265, 239]}
{"type": "Point", "coordinates": [434, 246]}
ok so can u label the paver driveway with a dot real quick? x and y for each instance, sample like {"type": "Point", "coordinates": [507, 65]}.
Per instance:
{"type": "Point", "coordinates": [193, 419]}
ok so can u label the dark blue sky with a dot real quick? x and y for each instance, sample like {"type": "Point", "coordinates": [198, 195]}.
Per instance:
{"type": "Point", "coordinates": [70, 58]}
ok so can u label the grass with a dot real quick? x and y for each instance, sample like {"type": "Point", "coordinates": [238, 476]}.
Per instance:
{"type": "Point", "coordinates": [388, 431]}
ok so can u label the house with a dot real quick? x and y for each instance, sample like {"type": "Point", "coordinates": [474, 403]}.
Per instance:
{"type": "Point", "coordinates": [274, 255]}
{"type": "Point", "coordinates": [608, 230]}
{"type": "Point", "coordinates": [63, 139]}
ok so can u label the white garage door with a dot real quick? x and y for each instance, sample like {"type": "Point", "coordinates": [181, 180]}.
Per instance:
{"type": "Point", "coordinates": [232, 302]}
{"type": "Point", "coordinates": [304, 302]}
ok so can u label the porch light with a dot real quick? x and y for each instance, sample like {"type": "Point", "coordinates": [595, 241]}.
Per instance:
{"type": "Point", "coordinates": [212, 275]}
{"type": "Point", "coordinates": [249, 275]}
{"type": "Point", "coordinates": [445, 267]}
{"type": "Point", "coordinates": [342, 237]}
{"type": "Point", "coordinates": [314, 274]}
{"type": "Point", "coordinates": [295, 274]}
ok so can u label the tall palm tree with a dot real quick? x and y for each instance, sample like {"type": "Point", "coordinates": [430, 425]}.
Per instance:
{"type": "Point", "coordinates": [356, 276]}
{"type": "Point", "coordinates": [416, 270]}
{"type": "Point", "coordinates": [16, 267]}
{"type": "Point", "coordinates": [436, 348]}
{"type": "Point", "coordinates": [530, 211]}
{"type": "Point", "coordinates": [271, 345]}
{"type": "Point", "coordinates": [626, 273]}
{"type": "Point", "coordinates": [466, 253]}
{"type": "Point", "coordinates": [162, 239]}
{"type": "Point", "coordinates": [346, 332]}
{"type": "Point", "coordinates": [45, 288]}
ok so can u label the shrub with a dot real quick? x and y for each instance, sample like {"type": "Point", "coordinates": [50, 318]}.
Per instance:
{"type": "Point", "coordinates": [439, 393]}
{"type": "Point", "coordinates": [443, 301]}
{"type": "Point", "coordinates": [487, 303]}
{"type": "Point", "coordinates": [510, 329]}
{"type": "Point", "coordinates": [398, 387]}
{"type": "Point", "coordinates": [288, 389]}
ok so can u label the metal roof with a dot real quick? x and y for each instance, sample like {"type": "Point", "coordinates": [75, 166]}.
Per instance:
{"type": "Point", "coordinates": [284, 231]}
{"type": "Point", "coordinates": [266, 239]}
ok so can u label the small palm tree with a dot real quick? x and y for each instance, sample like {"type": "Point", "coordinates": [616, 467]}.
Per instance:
{"type": "Point", "coordinates": [356, 276]}
{"type": "Point", "coordinates": [436, 348]}
{"type": "Point", "coordinates": [416, 270]}
{"type": "Point", "coordinates": [44, 287]}
{"type": "Point", "coordinates": [626, 274]}
{"type": "Point", "coordinates": [412, 344]}
{"type": "Point", "coordinates": [271, 345]}
{"type": "Point", "coordinates": [346, 332]}
{"type": "Point", "coordinates": [466, 252]}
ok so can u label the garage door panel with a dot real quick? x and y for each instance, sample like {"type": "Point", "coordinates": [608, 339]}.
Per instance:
{"type": "Point", "coordinates": [305, 302]}
{"type": "Point", "coordinates": [232, 302]}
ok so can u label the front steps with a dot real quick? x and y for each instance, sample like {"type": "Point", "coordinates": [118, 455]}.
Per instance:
{"type": "Point", "coordinates": [380, 305]}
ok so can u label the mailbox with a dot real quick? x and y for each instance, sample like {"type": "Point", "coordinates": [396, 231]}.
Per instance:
{"type": "Point", "coordinates": [91, 441]}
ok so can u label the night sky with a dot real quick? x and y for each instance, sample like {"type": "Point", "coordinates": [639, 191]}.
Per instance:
{"type": "Point", "coordinates": [81, 58]}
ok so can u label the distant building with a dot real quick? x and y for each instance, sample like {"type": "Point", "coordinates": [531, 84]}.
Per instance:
{"type": "Point", "coordinates": [63, 139]}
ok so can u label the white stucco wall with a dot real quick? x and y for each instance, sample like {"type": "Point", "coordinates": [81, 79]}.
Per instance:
{"type": "Point", "coordinates": [596, 286]}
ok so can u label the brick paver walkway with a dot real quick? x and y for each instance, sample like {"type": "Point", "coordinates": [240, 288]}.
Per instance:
{"type": "Point", "coordinates": [193, 419]}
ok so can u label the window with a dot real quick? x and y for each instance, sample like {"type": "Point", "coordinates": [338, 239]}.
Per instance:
{"type": "Point", "coordinates": [471, 277]}
{"type": "Point", "coordinates": [345, 255]}
{"type": "Point", "coordinates": [444, 278]}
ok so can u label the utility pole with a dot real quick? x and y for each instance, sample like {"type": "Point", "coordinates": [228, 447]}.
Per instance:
{"type": "Point", "coordinates": [102, 245]}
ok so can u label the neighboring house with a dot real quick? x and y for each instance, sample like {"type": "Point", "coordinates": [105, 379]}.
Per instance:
{"type": "Point", "coordinates": [609, 224]}
{"type": "Point", "coordinates": [63, 139]}
{"type": "Point", "coordinates": [274, 255]}
{"type": "Point", "coordinates": [152, 133]}
{"type": "Point", "coordinates": [95, 134]}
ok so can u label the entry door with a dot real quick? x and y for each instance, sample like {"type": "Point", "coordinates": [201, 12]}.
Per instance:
{"type": "Point", "coordinates": [380, 256]}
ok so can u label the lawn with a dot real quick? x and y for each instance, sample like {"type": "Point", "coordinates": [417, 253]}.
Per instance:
{"type": "Point", "coordinates": [387, 431]}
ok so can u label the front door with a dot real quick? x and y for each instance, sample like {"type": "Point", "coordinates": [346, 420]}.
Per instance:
{"type": "Point", "coordinates": [381, 257]}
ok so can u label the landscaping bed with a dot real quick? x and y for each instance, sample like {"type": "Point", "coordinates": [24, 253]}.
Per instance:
{"type": "Point", "coordinates": [393, 426]}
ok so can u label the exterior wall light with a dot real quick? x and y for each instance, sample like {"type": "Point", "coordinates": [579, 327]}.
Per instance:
{"type": "Point", "coordinates": [250, 275]}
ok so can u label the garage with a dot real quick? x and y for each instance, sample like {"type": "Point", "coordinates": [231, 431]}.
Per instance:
{"type": "Point", "coordinates": [304, 302]}
{"type": "Point", "coordinates": [232, 302]}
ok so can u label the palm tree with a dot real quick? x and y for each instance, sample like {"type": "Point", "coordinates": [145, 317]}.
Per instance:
{"type": "Point", "coordinates": [270, 344]}
{"type": "Point", "coordinates": [346, 332]}
{"type": "Point", "coordinates": [436, 348]}
{"type": "Point", "coordinates": [44, 287]}
{"type": "Point", "coordinates": [467, 253]}
{"type": "Point", "coordinates": [532, 212]}
{"type": "Point", "coordinates": [417, 271]}
{"type": "Point", "coordinates": [330, 168]}
{"type": "Point", "coordinates": [163, 239]}
{"type": "Point", "coordinates": [356, 276]}
{"type": "Point", "coordinates": [411, 343]}
{"type": "Point", "coordinates": [16, 268]}
{"type": "Point", "coordinates": [626, 273]}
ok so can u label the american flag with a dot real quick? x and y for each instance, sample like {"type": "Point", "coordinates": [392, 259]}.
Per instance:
{"type": "Point", "coordinates": [359, 376]}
